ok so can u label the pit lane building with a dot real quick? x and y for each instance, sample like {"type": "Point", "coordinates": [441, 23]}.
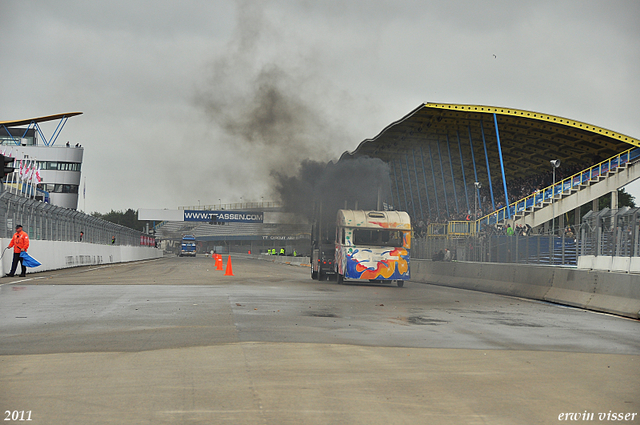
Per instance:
{"type": "Point", "coordinates": [59, 166]}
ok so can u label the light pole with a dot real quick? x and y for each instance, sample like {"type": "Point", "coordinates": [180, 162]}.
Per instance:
{"type": "Point", "coordinates": [555, 163]}
{"type": "Point", "coordinates": [478, 185]}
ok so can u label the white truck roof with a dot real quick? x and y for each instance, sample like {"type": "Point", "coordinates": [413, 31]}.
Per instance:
{"type": "Point", "coordinates": [374, 219]}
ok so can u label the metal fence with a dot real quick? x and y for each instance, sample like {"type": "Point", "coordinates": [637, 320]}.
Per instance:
{"type": "Point", "coordinates": [534, 249]}
{"type": "Point", "coordinates": [601, 233]}
{"type": "Point", "coordinates": [611, 233]}
{"type": "Point", "coordinates": [44, 221]}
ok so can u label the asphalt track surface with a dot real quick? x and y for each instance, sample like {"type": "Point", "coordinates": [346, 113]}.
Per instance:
{"type": "Point", "coordinates": [175, 341]}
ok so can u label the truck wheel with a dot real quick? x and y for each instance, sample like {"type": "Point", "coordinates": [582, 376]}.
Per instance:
{"type": "Point", "coordinates": [340, 279]}
{"type": "Point", "coordinates": [314, 274]}
{"type": "Point", "coordinates": [321, 276]}
{"type": "Point", "coordinates": [400, 283]}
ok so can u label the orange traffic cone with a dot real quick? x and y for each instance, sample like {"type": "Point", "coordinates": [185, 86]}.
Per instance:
{"type": "Point", "coordinates": [219, 262]}
{"type": "Point", "coordinates": [229, 271]}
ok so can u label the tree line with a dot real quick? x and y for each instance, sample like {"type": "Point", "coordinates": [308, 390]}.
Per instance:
{"type": "Point", "coordinates": [128, 218]}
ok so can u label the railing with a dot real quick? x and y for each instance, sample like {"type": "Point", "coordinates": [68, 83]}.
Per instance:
{"type": "Point", "coordinates": [234, 206]}
{"type": "Point", "coordinates": [438, 230]}
{"type": "Point", "coordinates": [539, 198]}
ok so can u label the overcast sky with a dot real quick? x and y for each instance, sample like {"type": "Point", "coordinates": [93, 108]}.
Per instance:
{"type": "Point", "coordinates": [198, 101]}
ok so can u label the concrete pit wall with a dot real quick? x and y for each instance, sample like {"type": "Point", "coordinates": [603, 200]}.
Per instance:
{"type": "Point", "coordinates": [56, 255]}
{"type": "Point", "coordinates": [610, 292]}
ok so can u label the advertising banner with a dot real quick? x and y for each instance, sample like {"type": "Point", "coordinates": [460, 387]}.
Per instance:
{"type": "Point", "coordinates": [224, 216]}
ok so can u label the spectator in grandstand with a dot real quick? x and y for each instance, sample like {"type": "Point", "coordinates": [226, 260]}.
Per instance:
{"type": "Point", "coordinates": [510, 231]}
{"type": "Point", "coordinates": [569, 233]}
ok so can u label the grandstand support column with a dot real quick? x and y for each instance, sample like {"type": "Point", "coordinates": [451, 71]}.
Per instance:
{"type": "Point", "coordinates": [444, 185]}
{"type": "Point", "coordinates": [391, 188]}
{"type": "Point", "coordinates": [395, 177]}
{"type": "Point", "coordinates": [475, 170]}
{"type": "Point", "coordinates": [453, 177]}
{"type": "Point", "coordinates": [404, 189]}
{"type": "Point", "coordinates": [614, 199]}
{"type": "Point", "coordinates": [426, 190]}
{"type": "Point", "coordinates": [415, 171]}
{"type": "Point", "coordinates": [413, 204]}
{"type": "Point", "coordinates": [464, 179]}
{"type": "Point", "coordinates": [504, 179]}
{"type": "Point", "coordinates": [435, 187]}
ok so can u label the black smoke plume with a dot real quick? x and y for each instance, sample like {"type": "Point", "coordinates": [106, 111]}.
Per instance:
{"type": "Point", "coordinates": [276, 111]}
{"type": "Point", "coordinates": [349, 183]}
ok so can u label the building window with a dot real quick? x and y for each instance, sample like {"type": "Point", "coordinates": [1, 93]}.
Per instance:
{"type": "Point", "coordinates": [59, 166]}
{"type": "Point", "coordinates": [58, 188]}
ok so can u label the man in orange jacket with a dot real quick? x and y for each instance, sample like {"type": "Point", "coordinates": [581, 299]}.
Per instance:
{"type": "Point", "coordinates": [19, 242]}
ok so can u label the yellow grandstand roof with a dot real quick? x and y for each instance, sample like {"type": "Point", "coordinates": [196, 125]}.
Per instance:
{"type": "Point", "coordinates": [529, 140]}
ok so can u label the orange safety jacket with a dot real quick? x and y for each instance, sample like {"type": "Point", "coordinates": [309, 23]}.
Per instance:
{"type": "Point", "coordinates": [19, 241]}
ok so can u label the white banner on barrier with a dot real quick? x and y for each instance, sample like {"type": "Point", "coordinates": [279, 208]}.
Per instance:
{"type": "Point", "coordinates": [161, 215]}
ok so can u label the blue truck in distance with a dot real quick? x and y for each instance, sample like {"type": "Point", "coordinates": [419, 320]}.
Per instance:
{"type": "Point", "coordinates": [188, 246]}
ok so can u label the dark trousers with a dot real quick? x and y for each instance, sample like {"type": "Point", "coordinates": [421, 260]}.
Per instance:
{"type": "Point", "coordinates": [17, 258]}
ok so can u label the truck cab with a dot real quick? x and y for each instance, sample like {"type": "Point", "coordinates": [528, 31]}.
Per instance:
{"type": "Point", "coordinates": [322, 251]}
{"type": "Point", "coordinates": [188, 246]}
{"type": "Point", "coordinates": [373, 246]}
{"type": "Point", "coordinates": [322, 259]}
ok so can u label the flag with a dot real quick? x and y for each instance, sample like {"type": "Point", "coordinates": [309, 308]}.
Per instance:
{"type": "Point", "coordinates": [29, 261]}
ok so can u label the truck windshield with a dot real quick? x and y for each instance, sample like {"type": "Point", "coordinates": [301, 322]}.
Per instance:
{"type": "Point", "coordinates": [377, 237]}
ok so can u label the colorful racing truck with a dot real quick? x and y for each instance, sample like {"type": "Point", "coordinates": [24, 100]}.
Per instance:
{"type": "Point", "coordinates": [373, 246]}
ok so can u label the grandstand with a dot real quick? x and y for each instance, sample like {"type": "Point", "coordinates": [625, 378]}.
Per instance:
{"type": "Point", "coordinates": [452, 163]}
